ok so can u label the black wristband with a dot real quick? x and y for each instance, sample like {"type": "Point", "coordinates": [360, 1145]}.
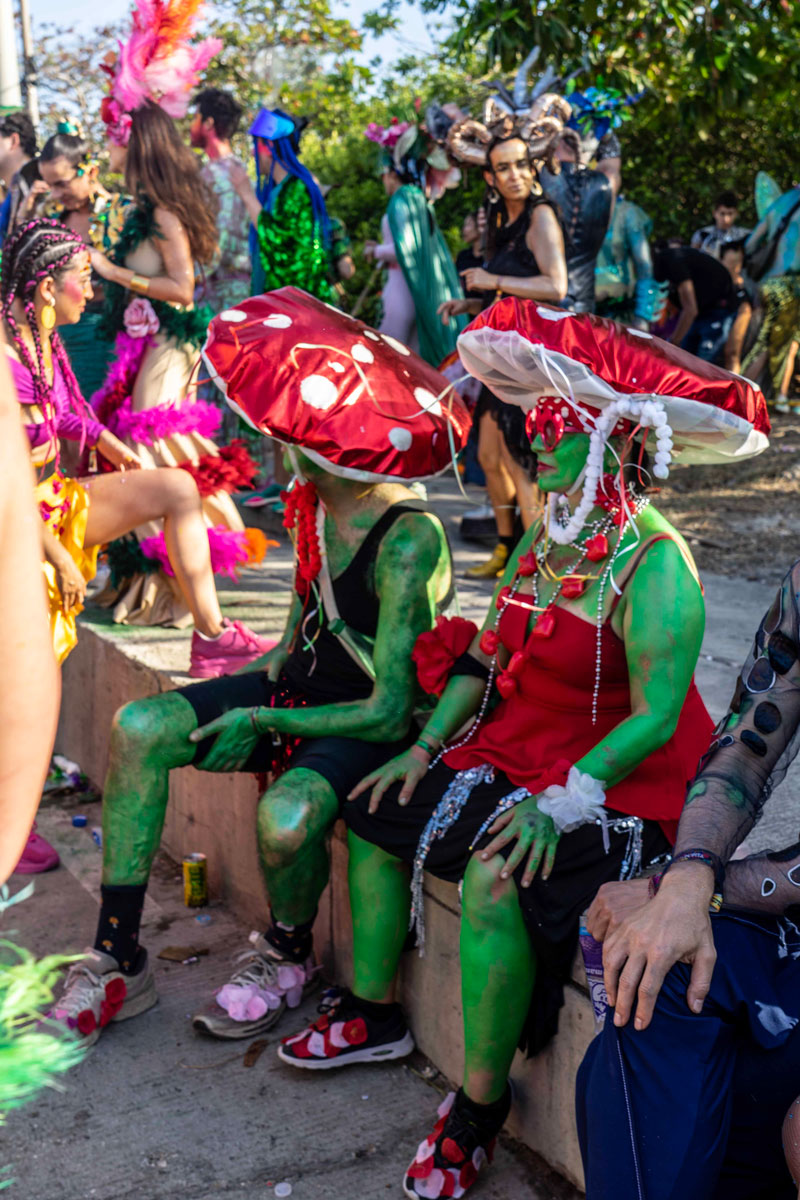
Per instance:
{"type": "Point", "coordinates": [698, 854]}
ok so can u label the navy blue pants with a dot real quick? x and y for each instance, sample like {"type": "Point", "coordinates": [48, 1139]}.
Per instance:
{"type": "Point", "coordinates": [708, 334]}
{"type": "Point", "coordinates": [691, 1108]}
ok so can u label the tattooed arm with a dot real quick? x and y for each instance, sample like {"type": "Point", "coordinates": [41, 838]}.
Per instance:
{"type": "Point", "coordinates": [751, 751]}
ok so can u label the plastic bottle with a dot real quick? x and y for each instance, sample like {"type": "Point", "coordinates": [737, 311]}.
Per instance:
{"type": "Point", "coordinates": [593, 962]}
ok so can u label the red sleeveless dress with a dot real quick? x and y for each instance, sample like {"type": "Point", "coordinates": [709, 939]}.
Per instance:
{"type": "Point", "coordinates": [549, 718]}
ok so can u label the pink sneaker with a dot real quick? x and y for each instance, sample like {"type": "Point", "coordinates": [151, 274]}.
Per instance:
{"type": "Point", "coordinates": [37, 856]}
{"type": "Point", "coordinates": [236, 647]}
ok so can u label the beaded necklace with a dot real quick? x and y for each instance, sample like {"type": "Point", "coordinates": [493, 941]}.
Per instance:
{"type": "Point", "coordinates": [570, 585]}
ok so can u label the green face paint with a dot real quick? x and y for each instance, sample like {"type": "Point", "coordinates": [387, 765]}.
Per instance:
{"type": "Point", "coordinates": [558, 469]}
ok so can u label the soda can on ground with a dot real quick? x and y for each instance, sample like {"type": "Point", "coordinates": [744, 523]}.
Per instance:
{"type": "Point", "coordinates": [195, 881]}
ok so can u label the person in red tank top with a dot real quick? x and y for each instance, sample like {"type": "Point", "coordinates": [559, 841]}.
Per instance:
{"type": "Point", "coordinates": [586, 729]}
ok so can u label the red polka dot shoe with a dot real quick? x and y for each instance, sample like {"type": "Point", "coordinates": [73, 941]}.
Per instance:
{"type": "Point", "coordinates": [450, 1159]}
{"type": "Point", "coordinates": [97, 993]}
{"type": "Point", "coordinates": [345, 1034]}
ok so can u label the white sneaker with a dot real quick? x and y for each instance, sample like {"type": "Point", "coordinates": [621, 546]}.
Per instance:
{"type": "Point", "coordinates": [97, 993]}
{"type": "Point", "coordinates": [484, 513]}
{"type": "Point", "coordinates": [258, 992]}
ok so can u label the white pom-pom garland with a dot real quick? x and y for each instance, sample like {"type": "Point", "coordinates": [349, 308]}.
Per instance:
{"type": "Point", "coordinates": [648, 412]}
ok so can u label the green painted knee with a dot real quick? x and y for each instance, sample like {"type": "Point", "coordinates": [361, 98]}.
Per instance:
{"type": "Point", "coordinates": [487, 900]}
{"type": "Point", "coordinates": [293, 815]}
{"type": "Point", "coordinates": [154, 731]}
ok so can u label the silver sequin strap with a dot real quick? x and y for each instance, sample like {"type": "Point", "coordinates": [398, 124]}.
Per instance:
{"type": "Point", "coordinates": [444, 816]}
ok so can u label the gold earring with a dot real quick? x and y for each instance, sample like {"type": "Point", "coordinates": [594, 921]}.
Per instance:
{"type": "Point", "coordinates": [48, 317]}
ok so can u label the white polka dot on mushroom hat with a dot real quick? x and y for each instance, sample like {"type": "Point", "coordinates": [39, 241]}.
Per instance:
{"type": "Point", "coordinates": [362, 354]}
{"type": "Point", "coordinates": [337, 367]}
{"type": "Point", "coordinates": [393, 342]}
{"type": "Point", "coordinates": [277, 321]}
{"type": "Point", "coordinates": [400, 438]}
{"type": "Point", "coordinates": [318, 392]}
{"type": "Point", "coordinates": [373, 337]}
{"type": "Point", "coordinates": [233, 316]}
{"type": "Point", "coordinates": [428, 401]}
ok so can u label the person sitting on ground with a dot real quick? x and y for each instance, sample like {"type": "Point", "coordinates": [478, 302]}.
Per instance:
{"type": "Point", "coordinates": [703, 292]}
{"type": "Point", "coordinates": [387, 562]}
{"type": "Point", "coordinates": [45, 282]}
{"type": "Point", "coordinates": [712, 238]}
{"type": "Point", "coordinates": [227, 278]}
{"type": "Point", "coordinates": [702, 1043]}
{"type": "Point", "coordinates": [580, 767]}
{"type": "Point", "coordinates": [18, 167]}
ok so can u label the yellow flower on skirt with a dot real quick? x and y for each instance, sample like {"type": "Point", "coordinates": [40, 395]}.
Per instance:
{"type": "Point", "coordinates": [64, 508]}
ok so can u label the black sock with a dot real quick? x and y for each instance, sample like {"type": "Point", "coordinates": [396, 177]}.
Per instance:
{"type": "Point", "coordinates": [377, 1010]}
{"type": "Point", "coordinates": [292, 941]}
{"type": "Point", "coordinates": [118, 925]}
{"type": "Point", "coordinates": [509, 542]}
{"type": "Point", "coordinates": [486, 1119]}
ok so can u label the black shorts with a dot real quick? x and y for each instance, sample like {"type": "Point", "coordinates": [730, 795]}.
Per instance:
{"type": "Point", "coordinates": [342, 761]}
{"type": "Point", "coordinates": [551, 908]}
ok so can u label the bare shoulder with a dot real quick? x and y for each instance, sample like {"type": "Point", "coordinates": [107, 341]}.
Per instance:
{"type": "Point", "coordinates": [168, 223]}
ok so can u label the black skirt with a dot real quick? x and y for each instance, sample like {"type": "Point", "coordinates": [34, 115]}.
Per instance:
{"type": "Point", "coordinates": [511, 422]}
{"type": "Point", "coordinates": [551, 908]}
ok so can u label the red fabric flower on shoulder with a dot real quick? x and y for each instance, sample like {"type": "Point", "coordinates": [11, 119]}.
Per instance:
{"type": "Point", "coordinates": [435, 652]}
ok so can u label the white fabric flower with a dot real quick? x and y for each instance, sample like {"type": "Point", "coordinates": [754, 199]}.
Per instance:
{"type": "Point", "coordinates": [582, 800]}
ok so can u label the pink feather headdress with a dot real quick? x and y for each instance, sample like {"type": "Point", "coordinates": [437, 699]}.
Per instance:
{"type": "Point", "coordinates": [157, 63]}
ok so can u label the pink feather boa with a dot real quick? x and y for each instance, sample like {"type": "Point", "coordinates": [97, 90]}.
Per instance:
{"type": "Point", "coordinates": [229, 550]}
{"type": "Point", "coordinates": [113, 402]}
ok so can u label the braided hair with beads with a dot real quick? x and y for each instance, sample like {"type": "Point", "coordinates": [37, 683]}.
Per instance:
{"type": "Point", "coordinates": [35, 251]}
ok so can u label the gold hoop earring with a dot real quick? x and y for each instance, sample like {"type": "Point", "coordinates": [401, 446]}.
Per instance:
{"type": "Point", "coordinates": [494, 196]}
{"type": "Point", "coordinates": [48, 316]}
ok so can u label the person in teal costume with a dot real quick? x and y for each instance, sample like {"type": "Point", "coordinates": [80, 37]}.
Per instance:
{"type": "Point", "coordinates": [290, 239]}
{"type": "Point", "coordinates": [422, 253]}
{"type": "Point", "coordinates": [624, 285]}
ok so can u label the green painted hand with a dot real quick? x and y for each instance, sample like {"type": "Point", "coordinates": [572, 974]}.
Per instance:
{"type": "Point", "coordinates": [533, 832]}
{"type": "Point", "coordinates": [409, 766]}
{"type": "Point", "coordinates": [236, 740]}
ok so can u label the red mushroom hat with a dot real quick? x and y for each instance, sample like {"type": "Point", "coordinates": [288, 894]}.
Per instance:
{"type": "Point", "coordinates": [524, 351]}
{"type": "Point", "coordinates": [357, 402]}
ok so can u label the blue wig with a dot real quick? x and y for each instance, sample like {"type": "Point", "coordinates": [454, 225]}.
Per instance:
{"type": "Point", "coordinates": [278, 128]}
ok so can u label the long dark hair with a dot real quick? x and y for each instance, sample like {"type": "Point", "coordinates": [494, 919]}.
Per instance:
{"type": "Point", "coordinates": [71, 146]}
{"type": "Point", "coordinates": [495, 205]}
{"type": "Point", "coordinates": [160, 167]}
{"type": "Point", "coordinates": [33, 252]}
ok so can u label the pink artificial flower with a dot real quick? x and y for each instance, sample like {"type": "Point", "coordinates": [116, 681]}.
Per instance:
{"type": "Point", "coordinates": [140, 318]}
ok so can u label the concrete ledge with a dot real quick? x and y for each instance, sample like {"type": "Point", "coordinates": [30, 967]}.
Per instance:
{"type": "Point", "coordinates": [215, 814]}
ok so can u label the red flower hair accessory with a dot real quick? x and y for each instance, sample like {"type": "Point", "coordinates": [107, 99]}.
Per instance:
{"type": "Point", "coordinates": [435, 652]}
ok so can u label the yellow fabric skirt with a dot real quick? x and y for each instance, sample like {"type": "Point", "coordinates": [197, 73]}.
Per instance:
{"type": "Point", "coordinates": [64, 508]}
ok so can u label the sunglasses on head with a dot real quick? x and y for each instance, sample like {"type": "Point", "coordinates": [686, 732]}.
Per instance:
{"type": "Point", "coordinates": [549, 423]}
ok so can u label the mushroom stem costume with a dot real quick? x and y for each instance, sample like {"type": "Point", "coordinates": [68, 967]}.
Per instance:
{"type": "Point", "coordinates": [581, 766]}
{"type": "Point", "coordinates": [360, 417]}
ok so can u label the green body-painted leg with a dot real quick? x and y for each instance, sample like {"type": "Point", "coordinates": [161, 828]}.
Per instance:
{"type": "Point", "coordinates": [497, 974]}
{"type": "Point", "coordinates": [294, 819]}
{"type": "Point", "coordinates": [380, 901]}
{"type": "Point", "coordinates": [148, 738]}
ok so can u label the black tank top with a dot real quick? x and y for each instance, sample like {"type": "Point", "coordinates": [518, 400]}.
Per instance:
{"type": "Point", "coordinates": [511, 254]}
{"type": "Point", "coordinates": [319, 667]}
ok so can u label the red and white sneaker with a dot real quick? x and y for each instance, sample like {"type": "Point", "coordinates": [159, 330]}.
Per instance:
{"type": "Point", "coordinates": [450, 1159]}
{"type": "Point", "coordinates": [236, 647]}
{"type": "Point", "coordinates": [97, 993]}
{"type": "Point", "coordinates": [37, 856]}
{"type": "Point", "coordinates": [344, 1035]}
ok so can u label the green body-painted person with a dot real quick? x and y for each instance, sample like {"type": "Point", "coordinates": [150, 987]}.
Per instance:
{"type": "Point", "coordinates": [385, 561]}
{"type": "Point", "coordinates": [582, 766]}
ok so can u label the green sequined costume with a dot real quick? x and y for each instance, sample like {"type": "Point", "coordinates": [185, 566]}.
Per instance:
{"type": "Point", "coordinates": [291, 248]}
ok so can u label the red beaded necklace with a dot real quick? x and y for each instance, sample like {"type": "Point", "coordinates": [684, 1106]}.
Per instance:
{"type": "Point", "coordinates": [301, 517]}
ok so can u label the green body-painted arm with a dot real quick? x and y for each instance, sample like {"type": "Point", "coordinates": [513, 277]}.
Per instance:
{"type": "Point", "coordinates": [662, 627]}
{"type": "Point", "coordinates": [273, 660]}
{"type": "Point", "coordinates": [412, 572]}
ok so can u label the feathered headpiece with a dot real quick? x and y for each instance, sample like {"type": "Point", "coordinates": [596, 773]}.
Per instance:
{"type": "Point", "coordinates": [537, 116]}
{"type": "Point", "coordinates": [412, 151]}
{"type": "Point", "coordinates": [158, 63]}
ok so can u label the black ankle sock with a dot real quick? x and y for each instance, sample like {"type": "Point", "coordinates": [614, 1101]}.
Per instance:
{"type": "Point", "coordinates": [118, 925]}
{"type": "Point", "coordinates": [293, 941]}
{"type": "Point", "coordinates": [509, 542]}
{"type": "Point", "coordinates": [377, 1011]}
{"type": "Point", "coordinates": [487, 1119]}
